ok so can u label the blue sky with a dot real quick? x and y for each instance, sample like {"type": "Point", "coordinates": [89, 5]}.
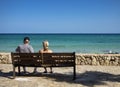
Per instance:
{"type": "Point", "coordinates": [59, 16]}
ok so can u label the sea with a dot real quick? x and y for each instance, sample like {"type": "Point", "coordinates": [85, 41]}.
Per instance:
{"type": "Point", "coordinates": [79, 43]}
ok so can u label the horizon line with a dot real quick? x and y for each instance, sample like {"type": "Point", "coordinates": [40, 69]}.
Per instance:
{"type": "Point", "coordinates": [59, 33]}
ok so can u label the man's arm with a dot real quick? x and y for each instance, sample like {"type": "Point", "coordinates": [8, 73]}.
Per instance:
{"type": "Point", "coordinates": [31, 49]}
{"type": "Point", "coordinates": [17, 49]}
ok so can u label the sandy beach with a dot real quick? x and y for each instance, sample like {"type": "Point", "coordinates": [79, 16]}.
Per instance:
{"type": "Point", "coordinates": [87, 76]}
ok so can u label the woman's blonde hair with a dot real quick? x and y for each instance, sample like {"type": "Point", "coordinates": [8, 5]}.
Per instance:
{"type": "Point", "coordinates": [46, 42]}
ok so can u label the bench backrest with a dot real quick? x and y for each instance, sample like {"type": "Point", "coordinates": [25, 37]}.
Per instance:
{"type": "Point", "coordinates": [47, 59]}
{"type": "Point", "coordinates": [27, 59]}
{"type": "Point", "coordinates": [59, 59]}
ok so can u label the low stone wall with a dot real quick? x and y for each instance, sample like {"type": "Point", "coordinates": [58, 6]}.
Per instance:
{"type": "Point", "coordinates": [5, 58]}
{"type": "Point", "coordinates": [81, 59]}
{"type": "Point", "coordinates": [98, 59]}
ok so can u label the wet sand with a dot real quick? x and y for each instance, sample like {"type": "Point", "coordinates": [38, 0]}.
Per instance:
{"type": "Point", "coordinates": [87, 76]}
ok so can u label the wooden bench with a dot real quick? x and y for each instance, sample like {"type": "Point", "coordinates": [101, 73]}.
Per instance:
{"type": "Point", "coordinates": [43, 59]}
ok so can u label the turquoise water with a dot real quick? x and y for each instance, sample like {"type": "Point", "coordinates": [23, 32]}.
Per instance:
{"type": "Point", "coordinates": [80, 43]}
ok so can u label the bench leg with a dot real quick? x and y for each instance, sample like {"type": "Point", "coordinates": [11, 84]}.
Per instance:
{"type": "Point", "coordinates": [74, 73]}
{"type": "Point", "coordinates": [14, 72]}
{"type": "Point", "coordinates": [18, 70]}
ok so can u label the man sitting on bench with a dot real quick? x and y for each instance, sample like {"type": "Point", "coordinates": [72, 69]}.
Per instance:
{"type": "Point", "coordinates": [25, 48]}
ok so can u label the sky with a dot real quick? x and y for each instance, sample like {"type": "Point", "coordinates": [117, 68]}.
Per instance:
{"type": "Point", "coordinates": [59, 16]}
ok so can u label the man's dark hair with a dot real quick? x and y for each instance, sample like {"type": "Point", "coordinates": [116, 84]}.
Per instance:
{"type": "Point", "coordinates": [26, 38]}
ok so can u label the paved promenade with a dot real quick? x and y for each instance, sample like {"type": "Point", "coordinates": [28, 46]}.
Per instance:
{"type": "Point", "coordinates": [87, 76]}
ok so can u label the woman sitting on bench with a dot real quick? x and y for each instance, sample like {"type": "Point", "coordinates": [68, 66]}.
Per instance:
{"type": "Point", "coordinates": [45, 50]}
